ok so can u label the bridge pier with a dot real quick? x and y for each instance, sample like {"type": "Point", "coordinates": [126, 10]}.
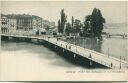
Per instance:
{"type": "Point", "coordinates": [63, 50]}
{"type": "Point", "coordinates": [39, 41]}
{"type": "Point", "coordinates": [10, 38]}
{"type": "Point", "coordinates": [27, 39]}
{"type": "Point", "coordinates": [21, 39]}
{"type": "Point", "coordinates": [74, 55]}
{"type": "Point", "coordinates": [35, 41]}
{"type": "Point", "coordinates": [16, 39]}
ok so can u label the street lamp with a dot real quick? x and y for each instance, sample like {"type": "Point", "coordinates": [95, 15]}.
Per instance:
{"type": "Point", "coordinates": [108, 52]}
{"type": "Point", "coordinates": [120, 62]}
{"type": "Point", "coordinates": [75, 43]}
{"type": "Point", "coordinates": [84, 42]}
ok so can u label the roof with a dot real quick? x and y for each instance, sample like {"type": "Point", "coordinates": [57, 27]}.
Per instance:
{"type": "Point", "coordinates": [15, 16]}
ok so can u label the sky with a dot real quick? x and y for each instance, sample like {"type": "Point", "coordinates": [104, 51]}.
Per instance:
{"type": "Point", "coordinates": [112, 11]}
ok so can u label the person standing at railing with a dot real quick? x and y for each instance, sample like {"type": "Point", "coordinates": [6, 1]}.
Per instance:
{"type": "Point", "coordinates": [69, 45]}
{"type": "Point", "coordinates": [111, 64]}
{"type": "Point", "coordinates": [90, 56]}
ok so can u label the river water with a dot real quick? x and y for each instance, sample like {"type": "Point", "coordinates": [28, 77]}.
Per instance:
{"type": "Point", "coordinates": [28, 61]}
{"type": "Point", "coordinates": [21, 58]}
{"type": "Point", "coordinates": [115, 47]}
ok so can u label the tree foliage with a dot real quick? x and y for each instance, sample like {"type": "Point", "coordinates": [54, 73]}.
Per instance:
{"type": "Point", "coordinates": [97, 22]}
{"type": "Point", "coordinates": [59, 26]}
{"type": "Point", "coordinates": [93, 24]}
{"type": "Point", "coordinates": [77, 26]}
{"type": "Point", "coordinates": [72, 21]}
{"type": "Point", "coordinates": [87, 26]}
{"type": "Point", "coordinates": [62, 21]}
{"type": "Point", "coordinates": [68, 29]}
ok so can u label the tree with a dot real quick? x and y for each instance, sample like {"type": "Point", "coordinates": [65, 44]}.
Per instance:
{"type": "Point", "coordinates": [59, 26]}
{"type": "Point", "coordinates": [97, 22]}
{"type": "Point", "coordinates": [77, 26]}
{"type": "Point", "coordinates": [47, 27]}
{"type": "Point", "coordinates": [63, 21]}
{"type": "Point", "coordinates": [72, 21]}
{"type": "Point", "coordinates": [87, 26]}
{"type": "Point", "coordinates": [93, 24]}
{"type": "Point", "coordinates": [72, 25]}
{"type": "Point", "coordinates": [68, 29]}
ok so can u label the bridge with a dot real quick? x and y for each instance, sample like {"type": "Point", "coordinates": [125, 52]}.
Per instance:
{"type": "Point", "coordinates": [74, 52]}
{"type": "Point", "coordinates": [116, 35]}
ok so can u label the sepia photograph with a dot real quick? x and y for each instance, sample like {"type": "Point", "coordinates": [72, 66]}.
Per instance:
{"type": "Point", "coordinates": [67, 82]}
{"type": "Point", "coordinates": [63, 40]}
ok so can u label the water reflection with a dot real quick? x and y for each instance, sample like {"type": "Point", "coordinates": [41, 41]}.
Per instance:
{"type": "Point", "coordinates": [89, 43]}
{"type": "Point", "coordinates": [40, 53]}
{"type": "Point", "coordinates": [110, 46]}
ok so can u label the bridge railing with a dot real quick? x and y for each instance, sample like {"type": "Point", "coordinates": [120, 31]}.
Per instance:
{"type": "Point", "coordinates": [75, 50]}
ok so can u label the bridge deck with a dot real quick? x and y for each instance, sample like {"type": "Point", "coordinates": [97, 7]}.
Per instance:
{"type": "Point", "coordinates": [95, 56]}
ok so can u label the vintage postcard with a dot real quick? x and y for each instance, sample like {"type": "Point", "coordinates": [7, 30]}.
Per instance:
{"type": "Point", "coordinates": [64, 41]}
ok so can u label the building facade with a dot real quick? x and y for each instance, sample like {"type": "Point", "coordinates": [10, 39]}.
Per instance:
{"type": "Point", "coordinates": [23, 23]}
{"type": "Point", "coordinates": [37, 22]}
{"type": "Point", "coordinates": [12, 25]}
{"type": "Point", "coordinates": [8, 25]}
{"type": "Point", "coordinates": [4, 24]}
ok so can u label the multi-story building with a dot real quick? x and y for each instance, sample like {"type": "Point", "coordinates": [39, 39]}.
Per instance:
{"type": "Point", "coordinates": [37, 23]}
{"type": "Point", "coordinates": [4, 24]}
{"type": "Point", "coordinates": [13, 23]}
{"type": "Point", "coordinates": [24, 22]}
{"type": "Point", "coordinates": [8, 25]}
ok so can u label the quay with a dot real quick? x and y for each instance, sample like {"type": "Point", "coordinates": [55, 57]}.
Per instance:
{"type": "Point", "coordinates": [77, 54]}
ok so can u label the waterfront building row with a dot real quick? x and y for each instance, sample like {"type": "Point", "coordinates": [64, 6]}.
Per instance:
{"type": "Point", "coordinates": [12, 23]}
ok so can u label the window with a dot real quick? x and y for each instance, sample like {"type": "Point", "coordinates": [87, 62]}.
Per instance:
{"type": "Point", "coordinates": [4, 22]}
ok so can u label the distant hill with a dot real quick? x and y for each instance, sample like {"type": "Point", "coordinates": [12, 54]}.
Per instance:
{"type": "Point", "coordinates": [115, 25]}
{"type": "Point", "coordinates": [116, 28]}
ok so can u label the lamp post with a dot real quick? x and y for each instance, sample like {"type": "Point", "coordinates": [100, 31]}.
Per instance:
{"type": "Point", "coordinates": [84, 42]}
{"type": "Point", "coordinates": [120, 62]}
{"type": "Point", "coordinates": [75, 43]}
{"type": "Point", "coordinates": [108, 52]}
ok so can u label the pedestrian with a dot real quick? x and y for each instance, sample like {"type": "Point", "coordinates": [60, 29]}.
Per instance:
{"type": "Point", "coordinates": [70, 47]}
{"type": "Point", "coordinates": [90, 56]}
